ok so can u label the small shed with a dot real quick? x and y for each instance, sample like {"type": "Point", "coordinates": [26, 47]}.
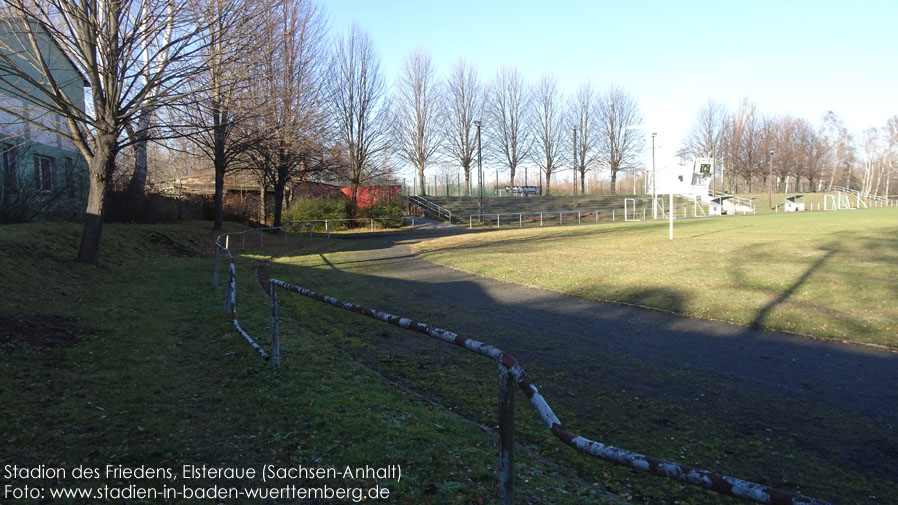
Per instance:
{"type": "Point", "coordinates": [792, 205]}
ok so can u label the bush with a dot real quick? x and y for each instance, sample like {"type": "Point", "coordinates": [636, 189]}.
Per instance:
{"type": "Point", "coordinates": [315, 209]}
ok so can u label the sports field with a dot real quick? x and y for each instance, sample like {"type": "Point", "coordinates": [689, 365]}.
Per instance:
{"type": "Point", "coordinates": [826, 274]}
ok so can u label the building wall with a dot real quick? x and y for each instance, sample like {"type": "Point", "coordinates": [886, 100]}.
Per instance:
{"type": "Point", "coordinates": [38, 168]}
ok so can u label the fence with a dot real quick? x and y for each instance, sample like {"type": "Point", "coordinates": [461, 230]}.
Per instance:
{"type": "Point", "coordinates": [510, 373]}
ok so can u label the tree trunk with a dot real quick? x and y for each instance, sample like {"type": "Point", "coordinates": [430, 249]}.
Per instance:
{"type": "Point", "coordinates": [138, 183]}
{"type": "Point", "coordinates": [219, 197]}
{"type": "Point", "coordinates": [100, 168]}
{"type": "Point", "coordinates": [613, 182]}
{"type": "Point", "coordinates": [421, 182]}
{"type": "Point", "coordinates": [278, 202]}
{"type": "Point", "coordinates": [583, 182]}
{"type": "Point", "coordinates": [548, 183]}
{"type": "Point", "coordinates": [262, 203]}
{"type": "Point", "coordinates": [467, 170]}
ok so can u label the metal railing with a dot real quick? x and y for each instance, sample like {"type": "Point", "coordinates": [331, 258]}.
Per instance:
{"type": "Point", "coordinates": [432, 208]}
{"type": "Point", "coordinates": [860, 194]}
{"type": "Point", "coordinates": [543, 216]}
{"type": "Point", "coordinates": [510, 372]}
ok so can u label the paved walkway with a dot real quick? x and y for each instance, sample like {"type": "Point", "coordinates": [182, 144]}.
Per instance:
{"type": "Point", "coordinates": [837, 401]}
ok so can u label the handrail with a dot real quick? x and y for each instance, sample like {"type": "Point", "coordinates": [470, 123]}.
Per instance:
{"type": "Point", "coordinates": [434, 208]}
{"type": "Point", "coordinates": [580, 213]}
{"type": "Point", "coordinates": [722, 484]}
{"type": "Point", "coordinates": [868, 196]}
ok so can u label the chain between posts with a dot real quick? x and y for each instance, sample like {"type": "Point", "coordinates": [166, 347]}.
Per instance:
{"type": "Point", "coordinates": [513, 372]}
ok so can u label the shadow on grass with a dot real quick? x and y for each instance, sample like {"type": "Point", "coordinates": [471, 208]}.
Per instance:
{"type": "Point", "coordinates": [738, 394]}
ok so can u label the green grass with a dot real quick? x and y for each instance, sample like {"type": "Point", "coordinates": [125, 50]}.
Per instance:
{"type": "Point", "coordinates": [157, 376]}
{"type": "Point", "coordinates": [824, 274]}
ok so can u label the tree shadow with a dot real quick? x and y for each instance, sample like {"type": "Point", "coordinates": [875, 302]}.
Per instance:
{"type": "Point", "coordinates": [666, 372]}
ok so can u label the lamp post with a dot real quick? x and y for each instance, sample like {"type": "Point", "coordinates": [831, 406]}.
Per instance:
{"type": "Point", "coordinates": [654, 189]}
{"type": "Point", "coordinates": [574, 165]}
{"type": "Point", "coordinates": [477, 122]}
{"type": "Point", "coordinates": [770, 180]}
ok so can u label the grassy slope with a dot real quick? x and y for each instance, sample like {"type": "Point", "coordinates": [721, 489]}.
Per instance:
{"type": "Point", "coordinates": [824, 274]}
{"type": "Point", "coordinates": [158, 377]}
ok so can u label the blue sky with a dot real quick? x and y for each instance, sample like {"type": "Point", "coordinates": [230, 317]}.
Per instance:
{"type": "Point", "coordinates": [796, 57]}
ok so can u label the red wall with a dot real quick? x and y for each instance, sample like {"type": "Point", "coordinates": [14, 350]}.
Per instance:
{"type": "Point", "coordinates": [368, 196]}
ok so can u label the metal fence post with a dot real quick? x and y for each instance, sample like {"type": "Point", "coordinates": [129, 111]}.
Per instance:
{"type": "Point", "coordinates": [227, 242]}
{"type": "Point", "coordinates": [506, 436]}
{"type": "Point", "coordinates": [327, 228]}
{"type": "Point", "coordinates": [497, 221]}
{"type": "Point", "coordinates": [560, 218]}
{"type": "Point", "coordinates": [579, 220]}
{"type": "Point", "coordinates": [540, 218]}
{"type": "Point", "coordinates": [372, 225]}
{"type": "Point", "coordinates": [612, 215]}
{"type": "Point", "coordinates": [275, 342]}
{"type": "Point", "coordinates": [520, 220]}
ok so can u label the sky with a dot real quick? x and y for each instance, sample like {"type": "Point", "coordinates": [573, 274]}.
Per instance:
{"type": "Point", "coordinates": [789, 57]}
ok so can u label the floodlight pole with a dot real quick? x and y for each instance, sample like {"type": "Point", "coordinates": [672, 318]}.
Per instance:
{"type": "Point", "coordinates": [574, 165]}
{"type": "Point", "coordinates": [770, 181]}
{"type": "Point", "coordinates": [479, 172]}
{"type": "Point", "coordinates": [654, 189]}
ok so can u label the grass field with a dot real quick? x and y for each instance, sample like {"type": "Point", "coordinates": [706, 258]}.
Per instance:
{"type": "Point", "coordinates": [133, 363]}
{"type": "Point", "coordinates": [828, 274]}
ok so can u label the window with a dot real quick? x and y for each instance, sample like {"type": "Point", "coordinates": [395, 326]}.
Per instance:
{"type": "Point", "coordinates": [43, 174]}
{"type": "Point", "coordinates": [69, 177]}
{"type": "Point", "coordinates": [9, 169]}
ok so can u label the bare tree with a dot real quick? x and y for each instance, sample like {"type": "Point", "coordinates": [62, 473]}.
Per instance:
{"type": "Point", "coordinates": [891, 151]}
{"type": "Point", "coordinates": [288, 94]}
{"type": "Point", "coordinates": [740, 145]}
{"type": "Point", "coordinates": [619, 146]}
{"type": "Point", "coordinates": [584, 115]}
{"type": "Point", "coordinates": [464, 105]}
{"type": "Point", "coordinates": [706, 133]}
{"type": "Point", "coordinates": [418, 107]}
{"type": "Point", "coordinates": [509, 106]}
{"type": "Point", "coordinates": [103, 41]}
{"type": "Point", "coordinates": [359, 107]}
{"type": "Point", "coordinates": [839, 147]}
{"type": "Point", "coordinates": [549, 123]}
{"type": "Point", "coordinates": [213, 112]}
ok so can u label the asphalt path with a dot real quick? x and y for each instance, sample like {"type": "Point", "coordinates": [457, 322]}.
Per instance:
{"type": "Point", "coordinates": [837, 401]}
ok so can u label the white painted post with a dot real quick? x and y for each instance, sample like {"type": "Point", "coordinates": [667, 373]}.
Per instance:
{"type": "Point", "coordinates": [470, 222]}
{"type": "Point", "coordinates": [597, 217]}
{"type": "Point", "coordinates": [327, 228]}
{"type": "Point", "coordinates": [540, 218]}
{"type": "Point", "coordinates": [612, 215]}
{"type": "Point", "coordinates": [372, 224]}
{"type": "Point", "coordinates": [560, 218]}
{"type": "Point", "coordinates": [578, 218]}
{"type": "Point", "coordinates": [227, 241]}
